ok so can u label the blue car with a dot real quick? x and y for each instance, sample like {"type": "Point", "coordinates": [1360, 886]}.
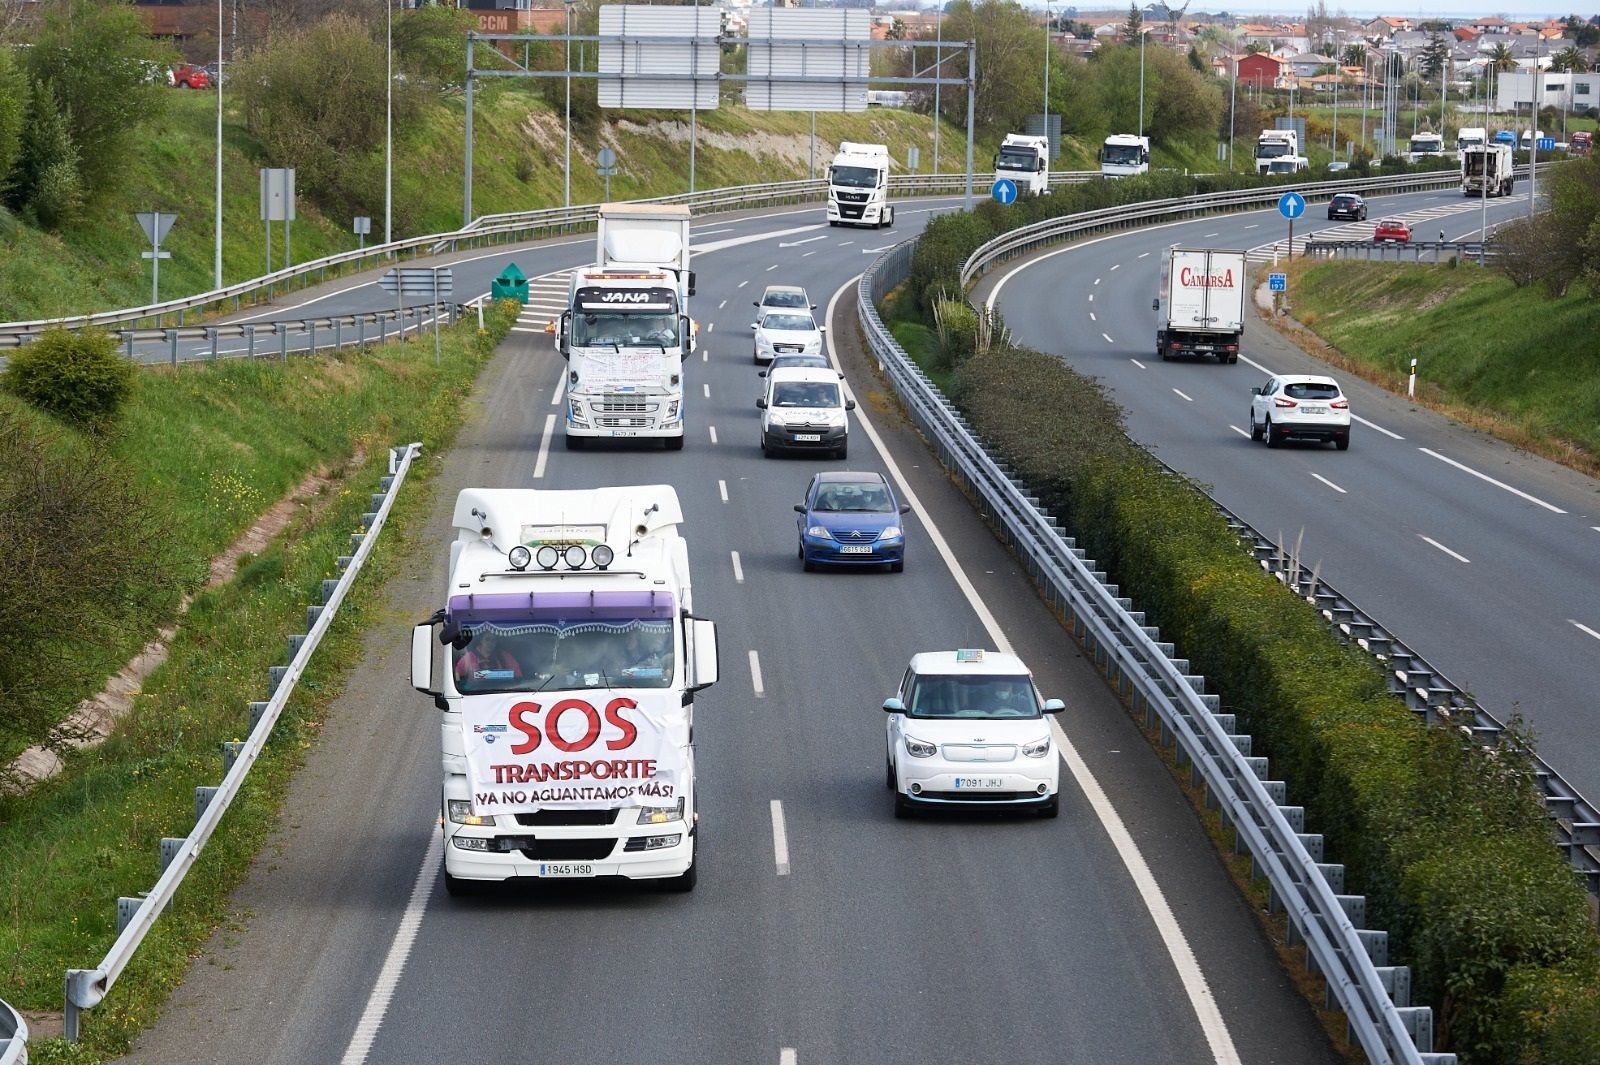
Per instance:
{"type": "Point", "coordinates": [851, 519]}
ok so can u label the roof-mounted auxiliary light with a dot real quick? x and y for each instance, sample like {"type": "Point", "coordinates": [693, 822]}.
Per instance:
{"type": "Point", "coordinates": [602, 556]}
{"type": "Point", "coordinates": [547, 557]}
{"type": "Point", "coordinates": [519, 557]}
{"type": "Point", "coordinates": [575, 556]}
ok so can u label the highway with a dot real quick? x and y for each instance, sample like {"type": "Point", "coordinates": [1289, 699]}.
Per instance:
{"type": "Point", "coordinates": [1480, 557]}
{"type": "Point", "coordinates": [822, 930]}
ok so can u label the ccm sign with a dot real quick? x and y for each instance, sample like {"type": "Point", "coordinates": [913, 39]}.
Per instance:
{"type": "Point", "coordinates": [589, 749]}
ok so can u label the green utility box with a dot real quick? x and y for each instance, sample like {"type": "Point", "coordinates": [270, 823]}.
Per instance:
{"type": "Point", "coordinates": [512, 284]}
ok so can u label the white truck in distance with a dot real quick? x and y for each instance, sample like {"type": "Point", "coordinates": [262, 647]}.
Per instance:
{"type": "Point", "coordinates": [1471, 137]}
{"type": "Point", "coordinates": [1277, 144]}
{"type": "Point", "coordinates": [1486, 171]}
{"type": "Point", "coordinates": [1026, 161]}
{"type": "Point", "coordinates": [858, 186]}
{"type": "Point", "coordinates": [1424, 145]}
{"type": "Point", "coordinates": [1204, 294]}
{"type": "Point", "coordinates": [1123, 155]}
{"type": "Point", "coordinates": [572, 659]}
{"type": "Point", "coordinates": [626, 332]}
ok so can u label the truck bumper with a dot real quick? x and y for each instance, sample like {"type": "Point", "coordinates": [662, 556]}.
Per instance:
{"type": "Point", "coordinates": [659, 431]}
{"type": "Point", "coordinates": [1172, 345]}
{"type": "Point", "coordinates": [619, 863]}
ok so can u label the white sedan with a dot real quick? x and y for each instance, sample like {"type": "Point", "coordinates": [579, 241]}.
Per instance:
{"type": "Point", "coordinates": [968, 728]}
{"type": "Point", "coordinates": [1300, 407]}
{"type": "Point", "coordinates": [780, 332]}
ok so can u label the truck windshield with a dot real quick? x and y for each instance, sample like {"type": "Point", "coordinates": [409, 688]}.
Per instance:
{"type": "Point", "coordinates": [971, 696]}
{"type": "Point", "coordinates": [855, 177]}
{"type": "Point", "coordinates": [1016, 159]}
{"type": "Point", "coordinates": [1121, 154]}
{"type": "Point", "coordinates": [1467, 142]}
{"type": "Point", "coordinates": [1426, 144]}
{"type": "Point", "coordinates": [530, 656]}
{"type": "Point", "coordinates": [625, 330]}
{"type": "Point", "coordinates": [1281, 166]}
{"type": "Point", "coordinates": [1271, 149]}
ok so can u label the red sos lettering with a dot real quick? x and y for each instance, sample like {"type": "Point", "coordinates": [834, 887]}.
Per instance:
{"type": "Point", "coordinates": [525, 719]}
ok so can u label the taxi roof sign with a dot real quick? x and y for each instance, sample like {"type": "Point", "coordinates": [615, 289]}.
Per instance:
{"type": "Point", "coordinates": [969, 654]}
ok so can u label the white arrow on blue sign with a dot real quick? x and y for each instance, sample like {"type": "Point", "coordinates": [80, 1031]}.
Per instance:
{"type": "Point", "coordinates": [1004, 191]}
{"type": "Point", "coordinates": [1278, 282]}
{"type": "Point", "coordinates": [1547, 144]}
{"type": "Point", "coordinates": [1291, 205]}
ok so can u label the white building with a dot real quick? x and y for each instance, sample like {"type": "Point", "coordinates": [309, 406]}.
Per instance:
{"type": "Point", "coordinates": [1560, 91]}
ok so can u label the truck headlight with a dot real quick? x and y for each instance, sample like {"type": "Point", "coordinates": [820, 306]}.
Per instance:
{"type": "Point", "coordinates": [470, 843]}
{"type": "Point", "coordinates": [890, 532]}
{"type": "Point", "coordinates": [660, 815]}
{"type": "Point", "coordinates": [1038, 748]}
{"type": "Point", "coordinates": [819, 532]}
{"type": "Point", "coordinates": [920, 748]}
{"type": "Point", "coordinates": [460, 812]}
{"type": "Point", "coordinates": [577, 412]}
{"type": "Point", "coordinates": [672, 410]}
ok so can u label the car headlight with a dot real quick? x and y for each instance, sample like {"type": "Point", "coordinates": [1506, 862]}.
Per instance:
{"type": "Point", "coordinates": [890, 532]}
{"type": "Point", "coordinates": [460, 811]}
{"type": "Point", "coordinates": [660, 815]}
{"type": "Point", "coordinates": [763, 342]}
{"type": "Point", "coordinates": [1038, 748]}
{"type": "Point", "coordinates": [820, 532]}
{"type": "Point", "coordinates": [920, 748]}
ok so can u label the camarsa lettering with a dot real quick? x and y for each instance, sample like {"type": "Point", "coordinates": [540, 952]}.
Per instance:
{"type": "Point", "coordinates": [540, 772]}
{"type": "Point", "coordinates": [576, 715]}
{"type": "Point", "coordinates": [1189, 278]}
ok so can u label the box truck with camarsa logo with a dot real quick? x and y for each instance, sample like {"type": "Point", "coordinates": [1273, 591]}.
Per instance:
{"type": "Point", "coordinates": [1203, 293]}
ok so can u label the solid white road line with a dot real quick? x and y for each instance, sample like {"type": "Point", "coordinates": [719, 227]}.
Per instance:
{"type": "Point", "coordinates": [1498, 484]}
{"type": "Point", "coordinates": [722, 490]}
{"type": "Point", "coordinates": [755, 675]}
{"type": "Point", "coordinates": [561, 385]}
{"type": "Point", "coordinates": [780, 845]}
{"type": "Point", "coordinates": [1108, 339]}
{"type": "Point", "coordinates": [706, 389]}
{"type": "Point", "coordinates": [1183, 396]}
{"type": "Point", "coordinates": [544, 446]}
{"type": "Point", "coordinates": [1586, 628]}
{"type": "Point", "coordinates": [1446, 550]}
{"type": "Point", "coordinates": [394, 963]}
{"type": "Point", "coordinates": [1327, 482]}
{"type": "Point", "coordinates": [1194, 983]}
{"type": "Point", "coordinates": [1240, 431]}
{"type": "Point", "coordinates": [1136, 362]}
{"type": "Point", "coordinates": [738, 570]}
{"type": "Point", "coordinates": [713, 430]}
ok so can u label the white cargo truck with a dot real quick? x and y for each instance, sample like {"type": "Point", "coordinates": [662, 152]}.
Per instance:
{"type": "Point", "coordinates": [858, 186]}
{"type": "Point", "coordinates": [1203, 293]}
{"type": "Point", "coordinates": [1274, 144]}
{"type": "Point", "coordinates": [570, 658]}
{"type": "Point", "coordinates": [1486, 170]}
{"type": "Point", "coordinates": [1471, 137]}
{"type": "Point", "coordinates": [626, 333]}
{"type": "Point", "coordinates": [1026, 161]}
{"type": "Point", "coordinates": [1123, 155]}
{"type": "Point", "coordinates": [1425, 144]}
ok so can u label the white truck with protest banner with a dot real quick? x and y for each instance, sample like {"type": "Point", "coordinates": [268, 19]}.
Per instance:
{"type": "Point", "coordinates": [570, 661]}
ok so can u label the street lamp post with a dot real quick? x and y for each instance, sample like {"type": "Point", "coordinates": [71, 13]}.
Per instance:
{"type": "Point", "coordinates": [1233, 97]}
{"type": "Point", "coordinates": [566, 185]}
{"type": "Point", "coordinates": [1142, 33]}
{"type": "Point", "coordinates": [388, 122]}
{"type": "Point", "coordinates": [1047, 76]}
{"type": "Point", "coordinates": [217, 272]}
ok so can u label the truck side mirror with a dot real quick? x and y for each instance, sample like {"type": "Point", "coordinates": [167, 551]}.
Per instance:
{"type": "Point", "coordinates": [1155, 304]}
{"type": "Point", "coordinates": [761, 404]}
{"type": "Point", "coordinates": [691, 282]}
{"type": "Point", "coordinates": [422, 664]}
{"type": "Point", "coordinates": [702, 652]}
{"type": "Point", "coordinates": [849, 404]}
{"type": "Point", "coordinates": [563, 332]}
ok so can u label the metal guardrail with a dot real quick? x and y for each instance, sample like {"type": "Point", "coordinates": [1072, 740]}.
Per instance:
{"type": "Point", "coordinates": [13, 1037]}
{"type": "Point", "coordinates": [86, 988]}
{"type": "Point", "coordinates": [488, 229]}
{"type": "Point", "coordinates": [1351, 959]}
{"type": "Point", "coordinates": [273, 338]}
{"type": "Point", "coordinates": [1439, 251]}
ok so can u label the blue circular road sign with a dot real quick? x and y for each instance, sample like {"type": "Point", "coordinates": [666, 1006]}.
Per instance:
{"type": "Point", "coordinates": [1004, 190]}
{"type": "Point", "coordinates": [1291, 205]}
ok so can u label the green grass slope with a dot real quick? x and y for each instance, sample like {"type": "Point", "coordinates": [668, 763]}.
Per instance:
{"type": "Point", "coordinates": [95, 264]}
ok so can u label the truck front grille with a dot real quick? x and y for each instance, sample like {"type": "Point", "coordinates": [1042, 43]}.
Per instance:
{"type": "Point", "coordinates": [568, 850]}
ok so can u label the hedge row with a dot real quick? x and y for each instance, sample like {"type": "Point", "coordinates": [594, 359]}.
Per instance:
{"type": "Point", "coordinates": [1450, 845]}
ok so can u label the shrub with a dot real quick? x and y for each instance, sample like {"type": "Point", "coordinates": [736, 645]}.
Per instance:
{"type": "Point", "coordinates": [79, 377]}
{"type": "Point", "coordinates": [47, 180]}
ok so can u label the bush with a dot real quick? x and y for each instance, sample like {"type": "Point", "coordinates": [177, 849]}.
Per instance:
{"type": "Point", "coordinates": [79, 377]}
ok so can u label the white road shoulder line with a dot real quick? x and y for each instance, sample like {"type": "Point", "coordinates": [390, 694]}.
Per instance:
{"type": "Point", "coordinates": [1182, 956]}
{"type": "Point", "coordinates": [755, 675]}
{"type": "Point", "coordinates": [738, 570]}
{"type": "Point", "coordinates": [394, 963]}
{"type": "Point", "coordinates": [1585, 628]}
{"type": "Point", "coordinates": [1240, 431]}
{"type": "Point", "coordinates": [1327, 482]}
{"type": "Point", "coordinates": [1498, 484]}
{"type": "Point", "coordinates": [544, 446]}
{"type": "Point", "coordinates": [1374, 425]}
{"type": "Point", "coordinates": [780, 847]}
{"type": "Point", "coordinates": [1441, 547]}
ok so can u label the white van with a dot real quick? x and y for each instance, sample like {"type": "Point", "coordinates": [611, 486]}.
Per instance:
{"type": "Point", "coordinates": [803, 408]}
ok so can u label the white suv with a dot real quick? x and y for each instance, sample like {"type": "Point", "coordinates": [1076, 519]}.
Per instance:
{"type": "Point", "coordinates": [969, 728]}
{"type": "Point", "coordinates": [783, 331]}
{"type": "Point", "coordinates": [1300, 407]}
{"type": "Point", "coordinates": [804, 409]}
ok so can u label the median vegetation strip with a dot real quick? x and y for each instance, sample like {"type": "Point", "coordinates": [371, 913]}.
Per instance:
{"type": "Point", "coordinates": [1449, 842]}
{"type": "Point", "coordinates": [69, 847]}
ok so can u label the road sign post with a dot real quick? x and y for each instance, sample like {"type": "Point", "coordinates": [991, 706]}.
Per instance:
{"type": "Point", "coordinates": [155, 225]}
{"type": "Point", "coordinates": [363, 226]}
{"type": "Point", "coordinates": [1278, 282]}
{"type": "Point", "coordinates": [277, 205]}
{"type": "Point", "coordinates": [606, 164]}
{"type": "Point", "coordinates": [1004, 191]}
{"type": "Point", "coordinates": [1291, 205]}
{"type": "Point", "coordinates": [403, 281]}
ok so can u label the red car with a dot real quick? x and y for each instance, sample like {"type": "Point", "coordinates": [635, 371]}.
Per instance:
{"type": "Point", "coordinates": [189, 76]}
{"type": "Point", "coordinates": [1392, 229]}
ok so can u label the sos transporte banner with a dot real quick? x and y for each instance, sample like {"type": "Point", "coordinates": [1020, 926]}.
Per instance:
{"type": "Point", "coordinates": [594, 749]}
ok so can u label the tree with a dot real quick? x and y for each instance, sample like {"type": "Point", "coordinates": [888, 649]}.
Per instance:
{"type": "Point", "coordinates": [13, 115]}
{"type": "Point", "coordinates": [431, 43]}
{"type": "Point", "coordinates": [1010, 45]}
{"type": "Point", "coordinates": [1355, 55]}
{"type": "Point", "coordinates": [897, 30]}
{"type": "Point", "coordinates": [1134, 26]}
{"type": "Point", "coordinates": [1320, 24]}
{"type": "Point", "coordinates": [1569, 60]}
{"type": "Point", "coordinates": [1216, 40]}
{"type": "Point", "coordinates": [93, 55]}
{"type": "Point", "coordinates": [49, 184]}
{"type": "Point", "coordinates": [1435, 58]}
{"type": "Point", "coordinates": [1585, 34]}
{"type": "Point", "coordinates": [1501, 58]}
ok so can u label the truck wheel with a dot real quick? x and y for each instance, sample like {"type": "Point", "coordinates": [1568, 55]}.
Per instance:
{"type": "Point", "coordinates": [888, 217]}
{"type": "Point", "coordinates": [574, 443]}
{"type": "Point", "coordinates": [1165, 357]}
{"type": "Point", "coordinates": [684, 883]}
{"type": "Point", "coordinates": [458, 888]}
{"type": "Point", "coordinates": [673, 443]}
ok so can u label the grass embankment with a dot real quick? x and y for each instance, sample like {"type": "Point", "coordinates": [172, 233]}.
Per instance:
{"type": "Point", "coordinates": [95, 265]}
{"type": "Point", "coordinates": [1512, 361]}
{"type": "Point", "coordinates": [72, 845]}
